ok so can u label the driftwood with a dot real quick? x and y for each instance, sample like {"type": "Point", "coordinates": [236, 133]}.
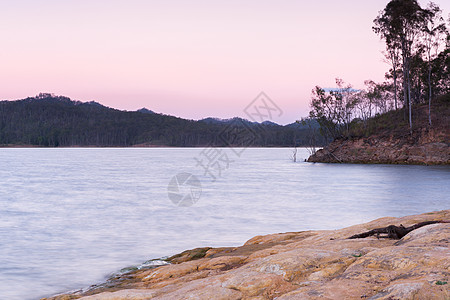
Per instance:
{"type": "Point", "coordinates": [394, 232]}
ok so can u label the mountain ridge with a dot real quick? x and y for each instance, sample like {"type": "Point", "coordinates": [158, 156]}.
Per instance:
{"type": "Point", "coordinates": [57, 121]}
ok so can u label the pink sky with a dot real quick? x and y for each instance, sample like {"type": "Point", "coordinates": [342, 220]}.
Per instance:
{"type": "Point", "coordinates": [192, 59]}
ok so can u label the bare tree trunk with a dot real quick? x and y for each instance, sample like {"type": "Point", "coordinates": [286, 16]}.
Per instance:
{"type": "Point", "coordinates": [405, 85]}
{"type": "Point", "coordinates": [429, 93]}
{"type": "Point", "coordinates": [392, 231]}
{"type": "Point", "coordinates": [395, 87]}
{"type": "Point", "coordinates": [409, 97]}
{"type": "Point", "coordinates": [294, 154]}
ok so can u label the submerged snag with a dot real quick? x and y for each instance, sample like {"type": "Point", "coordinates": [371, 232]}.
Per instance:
{"type": "Point", "coordinates": [392, 231]}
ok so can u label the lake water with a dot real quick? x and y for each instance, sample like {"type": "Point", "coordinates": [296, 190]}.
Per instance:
{"type": "Point", "coordinates": [71, 217]}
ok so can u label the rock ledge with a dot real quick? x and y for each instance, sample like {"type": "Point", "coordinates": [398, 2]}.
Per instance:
{"type": "Point", "coordinates": [301, 265]}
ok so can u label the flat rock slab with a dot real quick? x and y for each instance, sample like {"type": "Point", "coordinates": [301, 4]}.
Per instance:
{"type": "Point", "coordinates": [302, 265]}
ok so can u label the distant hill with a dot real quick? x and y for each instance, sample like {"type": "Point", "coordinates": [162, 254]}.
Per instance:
{"type": "Point", "coordinates": [309, 123]}
{"type": "Point", "coordinates": [235, 120]}
{"type": "Point", "coordinates": [145, 111]}
{"type": "Point", "coordinates": [56, 121]}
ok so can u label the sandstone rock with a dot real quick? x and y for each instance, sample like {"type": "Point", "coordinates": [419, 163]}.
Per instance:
{"type": "Point", "coordinates": [406, 291]}
{"type": "Point", "coordinates": [131, 294]}
{"type": "Point", "coordinates": [188, 255]}
{"type": "Point", "coordinates": [171, 271]}
{"type": "Point", "coordinates": [222, 262]}
{"type": "Point", "coordinates": [254, 283]}
{"type": "Point", "coordinates": [302, 265]}
{"type": "Point", "coordinates": [424, 148]}
{"type": "Point", "coordinates": [435, 234]}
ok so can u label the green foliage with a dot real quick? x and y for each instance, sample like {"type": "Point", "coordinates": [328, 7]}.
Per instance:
{"type": "Point", "coordinates": [418, 51]}
{"type": "Point", "coordinates": [52, 121]}
{"type": "Point", "coordinates": [415, 38]}
{"type": "Point", "coordinates": [333, 110]}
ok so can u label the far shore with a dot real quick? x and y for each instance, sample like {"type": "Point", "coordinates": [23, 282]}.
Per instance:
{"type": "Point", "coordinates": [145, 146]}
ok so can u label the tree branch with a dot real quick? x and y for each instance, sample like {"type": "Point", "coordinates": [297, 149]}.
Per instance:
{"type": "Point", "coordinates": [394, 232]}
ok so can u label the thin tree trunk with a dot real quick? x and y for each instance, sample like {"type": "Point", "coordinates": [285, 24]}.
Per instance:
{"type": "Point", "coordinates": [405, 89]}
{"type": "Point", "coordinates": [395, 88]}
{"type": "Point", "coordinates": [409, 96]}
{"type": "Point", "coordinates": [429, 94]}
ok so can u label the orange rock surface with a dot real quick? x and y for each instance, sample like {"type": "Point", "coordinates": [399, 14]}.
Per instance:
{"type": "Point", "coordinates": [301, 265]}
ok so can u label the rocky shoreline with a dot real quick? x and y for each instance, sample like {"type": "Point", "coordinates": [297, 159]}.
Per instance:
{"type": "Point", "coordinates": [300, 265]}
{"type": "Point", "coordinates": [422, 148]}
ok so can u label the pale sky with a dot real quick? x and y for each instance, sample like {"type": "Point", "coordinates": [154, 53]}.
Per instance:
{"type": "Point", "coordinates": [192, 59]}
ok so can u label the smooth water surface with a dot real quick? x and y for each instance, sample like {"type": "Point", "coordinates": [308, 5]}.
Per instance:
{"type": "Point", "coordinates": [71, 217]}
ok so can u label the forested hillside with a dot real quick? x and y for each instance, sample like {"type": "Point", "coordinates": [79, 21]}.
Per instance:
{"type": "Point", "coordinates": [55, 121]}
{"type": "Point", "coordinates": [387, 138]}
{"type": "Point", "coordinates": [417, 41]}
